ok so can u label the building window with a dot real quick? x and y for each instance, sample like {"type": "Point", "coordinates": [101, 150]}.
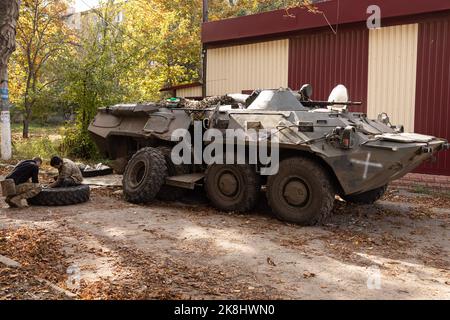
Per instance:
{"type": "Point", "coordinates": [119, 17]}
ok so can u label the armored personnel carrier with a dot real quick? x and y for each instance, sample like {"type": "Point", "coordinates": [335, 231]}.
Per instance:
{"type": "Point", "coordinates": [317, 150]}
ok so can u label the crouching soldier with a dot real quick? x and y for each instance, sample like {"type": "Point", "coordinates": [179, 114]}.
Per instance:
{"type": "Point", "coordinates": [69, 175]}
{"type": "Point", "coordinates": [21, 174]}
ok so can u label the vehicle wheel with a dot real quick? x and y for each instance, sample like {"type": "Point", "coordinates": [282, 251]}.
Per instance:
{"type": "Point", "coordinates": [169, 193]}
{"type": "Point", "coordinates": [368, 197]}
{"type": "Point", "coordinates": [232, 187]}
{"type": "Point", "coordinates": [144, 175]}
{"type": "Point", "coordinates": [61, 196]}
{"type": "Point", "coordinates": [301, 192]}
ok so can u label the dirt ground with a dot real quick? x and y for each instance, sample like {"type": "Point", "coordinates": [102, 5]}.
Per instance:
{"type": "Point", "coordinates": [109, 249]}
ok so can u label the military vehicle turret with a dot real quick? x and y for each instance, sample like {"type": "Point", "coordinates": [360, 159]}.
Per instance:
{"type": "Point", "coordinates": [317, 150]}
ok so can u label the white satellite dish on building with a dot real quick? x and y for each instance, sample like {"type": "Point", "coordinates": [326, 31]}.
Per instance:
{"type": "Point", "coordinates": [339, 94]}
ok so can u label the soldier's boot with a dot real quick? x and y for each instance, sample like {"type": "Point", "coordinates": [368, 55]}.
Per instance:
{"type": "Point", "coordinates": [10, 204]}
{"type": "Point", "coordinates": [32, 192]}
{"type": "Point", "coordinates": [17, 202]}
{"type": "Point", "coordinates": [25, 191]}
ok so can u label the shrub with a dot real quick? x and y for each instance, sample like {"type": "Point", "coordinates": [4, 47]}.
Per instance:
{"type": "Point", "coordinates": [78, 144]}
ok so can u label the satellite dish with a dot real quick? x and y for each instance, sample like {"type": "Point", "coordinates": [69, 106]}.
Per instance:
{"type": "Point", "coordinates": [339, 94]}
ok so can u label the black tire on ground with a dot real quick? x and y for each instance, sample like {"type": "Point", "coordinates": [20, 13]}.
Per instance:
{"type": "Point", "coordinates": [301, 192]}
{"type": "Point", "coordinates": [368, 197]}
{"type": "Point", "coordinates": [169, 193]}
{"type": "Point", "coordinates": [144, 175]}
{"type": "Point", "coordinates": [97, 173]}
{"type": "Point", "coordinates": [232, 187]}
{"type": "Point", "coordinates": [61, 196]}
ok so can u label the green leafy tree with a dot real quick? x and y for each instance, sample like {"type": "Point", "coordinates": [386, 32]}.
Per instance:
{"type": "Point", "coordinates": [42, 35]}
{"type": "Point", "coordinates": [95, 74]}
{"type": "Point", "coordinates": [165, 35]}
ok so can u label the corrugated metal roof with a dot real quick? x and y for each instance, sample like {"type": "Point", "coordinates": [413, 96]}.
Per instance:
{"type": "Point", "coordinates": [276, 23]}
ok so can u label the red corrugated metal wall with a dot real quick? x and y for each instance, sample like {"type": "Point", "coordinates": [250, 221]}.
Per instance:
{"type": "Point", "coordinates": [433, 87]}
{"type": "Point", "coordinates": [325, 60]}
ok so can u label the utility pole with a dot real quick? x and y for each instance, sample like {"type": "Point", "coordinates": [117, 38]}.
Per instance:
{"type": "Point", "coordinates": [205, 10]}
{"type": "Point", "coordinates": [5, 118]}
{"type": "Point", "coordinates": [204, 50]}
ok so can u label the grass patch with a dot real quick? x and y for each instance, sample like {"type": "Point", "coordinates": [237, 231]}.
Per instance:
{"type": "Point", "coordinates": [44, 142]}
{"type": "Point", "coordinates": [36, 147]}
{"type": "Point", "coordinates": [35, 130]}
{"type": "Point", "coordinates": [430, 192]}
{"type": "Point", "coordinates": [422, 190]}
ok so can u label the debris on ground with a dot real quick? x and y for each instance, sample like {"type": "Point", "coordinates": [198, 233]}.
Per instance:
{"type": "Point", "coordinates": [37, 250]}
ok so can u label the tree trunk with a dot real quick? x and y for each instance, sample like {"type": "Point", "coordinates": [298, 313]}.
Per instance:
{"type": "Point", "coordinates": [26, 126]}
{"type": "Point", "coordinates": [26, 119]}
{"type": "Point", "coordinates": [9, 13]}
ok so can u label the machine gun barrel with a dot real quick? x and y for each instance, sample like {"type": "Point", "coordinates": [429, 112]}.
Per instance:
{"type": "Point", "coordinates": [190, 110]}
{"type": "Point", "coordinates": [328, 103]}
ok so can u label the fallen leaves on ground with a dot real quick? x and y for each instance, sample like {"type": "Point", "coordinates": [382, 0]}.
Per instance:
{"type": "Point", "coordinates": [17, 284]}
{"type": "Point", "coordinates": [270, 262]}
{"type": "Point", "coordinates": [39, 252]}
{"type": "Point", "coordinates": [432, 200]}
{"type": "Point", "coordinates": [145, 276]}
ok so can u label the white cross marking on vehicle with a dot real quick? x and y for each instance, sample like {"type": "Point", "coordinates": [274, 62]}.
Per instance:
{"type": "Point", "coordinates": [367, 164]}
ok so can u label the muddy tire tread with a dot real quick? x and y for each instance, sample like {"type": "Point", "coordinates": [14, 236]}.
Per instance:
{"type": "Point", "coordinates": [61, 196]}
{"type": "Point", "coordinates": [155, 180]}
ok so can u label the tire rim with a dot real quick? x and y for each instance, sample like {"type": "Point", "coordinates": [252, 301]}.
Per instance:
{"type": "Point", "coordinates": [228, 184]}
{"type": "Point", "coordinates": [296, 192]}
{"type": "Point", "coordinates": [137, 174]}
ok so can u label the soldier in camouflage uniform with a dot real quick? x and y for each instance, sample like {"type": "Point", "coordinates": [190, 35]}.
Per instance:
{"type": "Point", "coordinates": [22, 173]}
{"type": "Point", "coordinates": [69, 174]}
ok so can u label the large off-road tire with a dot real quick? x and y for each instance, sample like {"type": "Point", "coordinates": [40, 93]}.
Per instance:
{"type": "Point", "coordinates": [169, 193]}
{"type": "Point", "coordinates": [368, 197]}
{"type": "Point", "coordinates": [144, 175]}
{"type": "Point", "coordinates": [232, 187]}
{"type": "Point", "coordinates": [301, 192]}
{"type": "Point", "coordinates": [61, 196]}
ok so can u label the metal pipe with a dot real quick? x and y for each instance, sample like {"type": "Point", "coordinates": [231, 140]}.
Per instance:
{"type": "Point", "coordinates": [204, 49]}
{"type": "Point", "coordinates": [205, 10]}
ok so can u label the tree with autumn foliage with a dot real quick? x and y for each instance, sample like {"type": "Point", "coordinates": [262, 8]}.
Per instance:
{"type": "Point", "coordinates": [42, 36]}
{"type": "Point", "coordinates": [222, 9]}
{"type": "Point", "coordinates": [166, 33]}
{"type": "Point", "coordinates": [157, 44]}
